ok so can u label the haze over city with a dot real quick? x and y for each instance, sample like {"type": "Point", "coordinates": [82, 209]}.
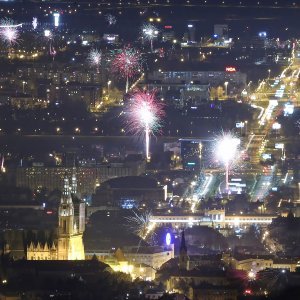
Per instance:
{"type": "Point", "coordinates": [149, 149]}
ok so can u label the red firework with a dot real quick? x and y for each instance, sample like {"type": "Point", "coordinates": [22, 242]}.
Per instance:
{"type": "Point", "coordinates": [144, 111]}
{"type": "Point", "coordinates": [127, 62]}
{"type": "Point", "coordinates": [145, 114]}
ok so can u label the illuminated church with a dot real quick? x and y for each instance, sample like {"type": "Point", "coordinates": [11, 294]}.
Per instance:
{"type": "Point", "coordinates": [68, 244]}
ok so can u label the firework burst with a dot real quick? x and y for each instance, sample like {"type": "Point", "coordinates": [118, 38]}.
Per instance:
{"type": "Point", "coordinates": [141, 225]}
{"type": "Point", "coordinates": [144, 116]}
{"type": "Point", "coordinates": [111, 20]}
{"type": "Point", "coordinates": [34, 23]}
{"type": "Point", "coordinates": [127, 63]}
{"type": "Point", "coordinates": [149, 33]}
{"type": "Point", "coordinates": [227, 152]}
{"type": "Point", "coordinates": [9, 32]}
{"type": "Point", "coordinates": [94, 58]}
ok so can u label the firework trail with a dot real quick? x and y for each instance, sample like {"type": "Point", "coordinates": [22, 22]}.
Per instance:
{"type": "Point", "coordinates": [49, 36]}
{"type": "Point", "coordinates": [144, 115]}
{"type": "Point", "coordinates": [140, 224]}
{"type": "Point", "coordinates": [52, 51]}
{"type": "Point", "coordinates": [149, 33]}
{"type": "Point", "coordinates": [127, 63]}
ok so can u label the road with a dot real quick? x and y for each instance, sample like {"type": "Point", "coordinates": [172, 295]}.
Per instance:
{"type": "Point", "coordinates": [270, 98]}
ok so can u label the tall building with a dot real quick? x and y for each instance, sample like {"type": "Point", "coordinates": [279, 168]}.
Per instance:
{"type": "Point", "coordinates": [69, 244]}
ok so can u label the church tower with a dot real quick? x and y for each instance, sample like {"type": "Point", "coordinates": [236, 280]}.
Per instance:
{"type": "Point", "coordinates": [70, 244]}
{"type": "Point", "coordinates": [79, 204]}
{"type": "Point", "coordinates": [183, 257]}
{"type": "Point", "coordinates": [74, 182]}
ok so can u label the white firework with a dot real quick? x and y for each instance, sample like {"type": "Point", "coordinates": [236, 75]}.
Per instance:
{"type": "Point", "coordinates": [141, 224]}
{"type": "Point", "coordinates": [9, 32]}
{"type": "Point", "coordinates": [112, 20]}
{"type": "Point", "coordinates": [34, 23]}
{"type": "Point", "coordinates": [94, 58]}
{"type": "Point", "coordinates": [149, 33]}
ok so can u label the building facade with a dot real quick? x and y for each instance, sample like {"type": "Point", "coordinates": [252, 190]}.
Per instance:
{"type": "Point", "coordinates": [88, 178]}
{"type": "Point", "coordinates": [69, 242]}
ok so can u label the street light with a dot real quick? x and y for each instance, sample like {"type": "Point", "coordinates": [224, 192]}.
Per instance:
{"type": "Point", "coordinates": [269, 73]}
{"type": "Point", "coordinates": [226, 85]}
{"type": "Point", "coordinates": [24, 82]}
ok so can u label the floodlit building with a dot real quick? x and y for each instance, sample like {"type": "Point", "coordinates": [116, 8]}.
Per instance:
{"type": "Point", "coordinates": [69, 243]}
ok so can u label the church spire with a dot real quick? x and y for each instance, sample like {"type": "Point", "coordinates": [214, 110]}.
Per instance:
{"type": "Point", "coordinates": [183, 257]}
{"type": "Point", "coordinates": [182, 243]}
{"type": "Point", "coordinates": [74, 182]}
{"type": "Point", "coordinates": [66, 197]}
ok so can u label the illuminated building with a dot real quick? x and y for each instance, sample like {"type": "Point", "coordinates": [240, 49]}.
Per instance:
{"type": "Point", "coordinates": [216, 218]}
{"type": "Point", "coordinates": [256, 263]}
{"type": "Point", "coordinates": [169, 79]}
{"type": "Point", "coordinates": [191, 88]}
{"type": "Point", "coordinates": [69, 243]}
{"type": "Point", "coordinates": [185, 274]}
{"type": "Point", "coordinates": [139, 262]}
{"type": "Point", "coordinates": [39, 175]}
{"type": "Point", "coordinates": [24, 101]}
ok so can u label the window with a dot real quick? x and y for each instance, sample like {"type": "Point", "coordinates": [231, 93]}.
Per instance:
{"type": "Point", "coordinates": [64, 226]}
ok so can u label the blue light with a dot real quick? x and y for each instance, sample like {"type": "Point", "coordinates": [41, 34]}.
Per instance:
{"type": "Point", "coordinates": [191, 163]}
{"type": "Point", "coordinates": [168, 239]}
{"type": "Point", "coordinates": [262, 34]}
